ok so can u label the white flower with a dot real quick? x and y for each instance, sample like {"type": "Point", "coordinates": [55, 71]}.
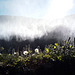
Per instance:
{"type": "Point", "coordinates": [15, 53]}
{"type": "Point", "coordinates": [0, 54]}
{"type": "Point", "coordinates": [25, 52]}
{"type": "Point", "coordinates": [37, 50]}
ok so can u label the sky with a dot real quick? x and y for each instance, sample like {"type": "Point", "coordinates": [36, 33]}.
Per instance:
{"type": "Point", "coordinates": [45, 9]}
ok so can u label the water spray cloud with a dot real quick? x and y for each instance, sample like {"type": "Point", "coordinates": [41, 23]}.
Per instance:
{"type": "Point", "coordinates": [59, 9]}
{"type": "Point", "coordinates": [25, 27]}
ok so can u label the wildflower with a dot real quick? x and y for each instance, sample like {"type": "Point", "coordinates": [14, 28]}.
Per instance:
{"type": "Point", "coordinates": [25, 52]}
{"type": "Point", "coordinates": [9, 54]}
{"type": "Point", "coordinates": [15, 53]}
{"type": "Point", "coordinates": [70, 46]}
{"type": "Point", "coordinates": [56, 44]}
{"type": "Point", "coordinates": [66, 42]}
{"type": "Point", "coordinates": [59, 57]}
{"type": "Point", "coordinates": [37, 50]}
{"type": "Point", "coordinates": [47, 50]}
{"type": "Point", "coordinates": [0, 54]}
{"type": "Point", "coordinates": [62, 46]}
{"type": "Point", "coordinates": [54, 47]}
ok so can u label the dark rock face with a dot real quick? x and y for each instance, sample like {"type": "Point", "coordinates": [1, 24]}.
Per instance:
{"type": "Point", "coordinates": [13, 43]}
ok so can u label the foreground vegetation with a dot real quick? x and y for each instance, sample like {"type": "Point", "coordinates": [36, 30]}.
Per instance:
{"type": "Point", "coordinates": [29, 60]}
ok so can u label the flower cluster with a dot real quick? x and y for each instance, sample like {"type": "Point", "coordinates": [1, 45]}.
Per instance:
{"type": "Point", "coordinates": [50, 53]}
{"type": "Point", "coordinates": [37, 50]}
